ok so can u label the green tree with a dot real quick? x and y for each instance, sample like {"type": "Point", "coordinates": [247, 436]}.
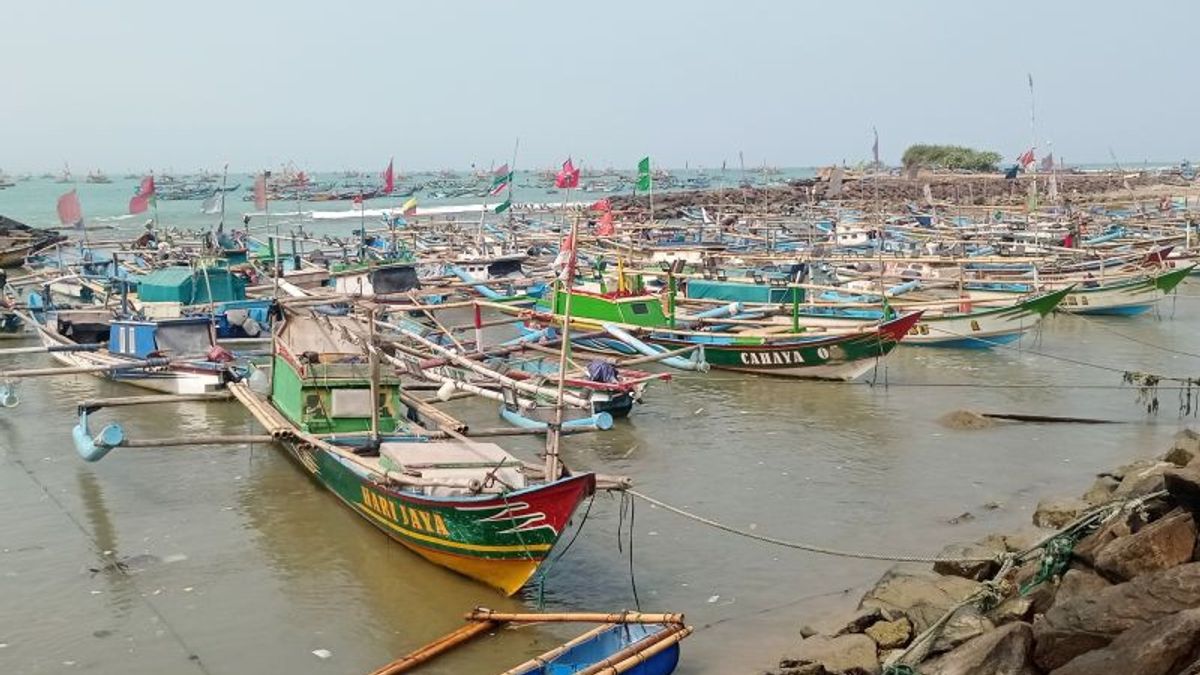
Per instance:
{"type": "Point", "coordinates": [953, 157]}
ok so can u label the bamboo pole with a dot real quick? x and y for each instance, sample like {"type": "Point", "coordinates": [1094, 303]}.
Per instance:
{"type": "Point", "coordinates": [97, 403]}
{"type": "Point", "coordinates": [201, 440]}
{"type": "Point", "coordinates": [437, 647]}
{"type": "Point", "coordinates": [637, 653]}
{"type": "Point", "coordinates": [73, 370]}
{"type": "Point", "coordinates": [485, 614]}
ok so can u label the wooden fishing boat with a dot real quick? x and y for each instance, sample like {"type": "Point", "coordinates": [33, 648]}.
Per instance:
{"type": "Point", "coordinates": [465, 505]}
{"type": "Point", "coordinates": [1125, 298]}
{"type": "Point", "coordinates": [780, 350]}
{"type": "Point", "coordinates": [623, 642]}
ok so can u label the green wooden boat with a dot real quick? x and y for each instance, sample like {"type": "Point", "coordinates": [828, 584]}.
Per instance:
{"type": "Point", "coordinates": [465, 505]}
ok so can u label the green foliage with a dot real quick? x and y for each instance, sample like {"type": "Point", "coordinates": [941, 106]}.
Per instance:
{"type": "Point", "coordinates": [954, 157]}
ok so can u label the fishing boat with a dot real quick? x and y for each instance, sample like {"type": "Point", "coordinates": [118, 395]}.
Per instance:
{"type": "Point", "coordinates": [1123, 298]}
{"type": "Point", "coordinates": [780, 350]}
{"type": "Point", "coordinates": [624, 642]}
{"type": "Point", "coordinates": [174, 356]}
{"type": "Point", "coordinates": [18, 241]}
{"type": "Point", "coordinates": [466, 505]}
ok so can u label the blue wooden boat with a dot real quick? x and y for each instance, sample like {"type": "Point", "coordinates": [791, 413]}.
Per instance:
{"type": "Point", "coordinates": [632, 648]}
{"type": "Point", "coordinates": [625, 642]}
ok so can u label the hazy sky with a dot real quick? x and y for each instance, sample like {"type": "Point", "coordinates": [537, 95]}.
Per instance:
{"type": "Point", "coordinates": [125, 84]}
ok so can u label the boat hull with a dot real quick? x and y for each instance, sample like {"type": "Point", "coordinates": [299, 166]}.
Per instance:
{"type": "Point", "coordinates": [499, 540]}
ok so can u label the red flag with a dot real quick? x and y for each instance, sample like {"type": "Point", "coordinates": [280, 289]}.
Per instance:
{"type": "Point", "coordinates": [302, 178]}
{"type": "Point", "coordinates": [358, 199]}
{"type": "Point", "coordinates": [142, 198]}
{"type": "Point", "coordinates": [389, 179]}
{"type": "Point", "coordinates": [601, 205]}
{"type": "Point", "coordinates": [1026, 158]}
{"type": "Point", "coordinates": [605, 228]}
{"type": "Point", "coordinates": [564, 262]}
{"type": "Point", "coordinates": [568, 177]}
{"type": "Point", "coordinates": [69, 211]}
{"type": "Point", "coordinates": [260, 191]}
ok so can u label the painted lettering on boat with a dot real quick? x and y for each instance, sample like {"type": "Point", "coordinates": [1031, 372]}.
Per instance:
{"type": "Point", "coordinates": [417, 519]}
{"type": "Point", "coordinates": [786, 358]}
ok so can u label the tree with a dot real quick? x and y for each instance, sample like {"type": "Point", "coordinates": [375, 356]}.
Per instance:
{"type": "Point", "coordinates": [953, 157]}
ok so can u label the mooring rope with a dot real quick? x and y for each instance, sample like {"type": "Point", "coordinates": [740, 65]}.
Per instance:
{"type": "Point", "coordinates": [1144, 343]}
{"type": "Point", "coordinates": [802, 546]}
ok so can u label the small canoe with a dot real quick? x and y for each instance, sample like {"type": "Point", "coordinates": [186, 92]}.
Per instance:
{"type": "Point", "coordinates": [633, 648]}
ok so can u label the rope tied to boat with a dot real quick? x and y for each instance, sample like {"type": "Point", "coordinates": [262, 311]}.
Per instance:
{"type": "Point", "coordinates": [814, 548]}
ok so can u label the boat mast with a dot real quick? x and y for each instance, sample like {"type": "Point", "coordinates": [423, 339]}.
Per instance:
{"type": "Point", "coordinates": [554, 431]}
{"type": "Point", "coordinates": [373, 360]}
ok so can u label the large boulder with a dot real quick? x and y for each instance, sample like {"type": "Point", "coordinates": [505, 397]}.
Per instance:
{"type": "Point", "coordinates": [1101, 491]}
{"type": "Point", "coordinates": [1089, 547]}
{"type": "Point", "coordinates": [1164, 647]}
{"type": "Point", "coordinates": [1183, 485]}
{"type": "Point", "coordinates": [1004, 651]}
{"type": "Point", "coordinates": [852, 654]}
{"type": "Point", "coordinates": [1165, 543]}
{"type": "Point", "coordinates": [980, 570]}
{"type": "Point", "coordinates": [1077, 583]}
{"type": "Point", "coordinates": [966, 624]}
{"type": "Point", "coordinates": [1091, 621]}
{"type": "Point", "coordinates": [891, 634]}
{"type": "Point", "coordinates": [1056, 512]}
{"type": "Point", "coordinates": [1140, 482]}
{"type": "Point", "coordinates": [1185, 449]}
{"type": "Point", "coordinates": [918, 593]}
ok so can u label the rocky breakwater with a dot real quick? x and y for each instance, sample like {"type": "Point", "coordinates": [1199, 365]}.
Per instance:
{"type": "Point", "coordinates": [1107, 582]}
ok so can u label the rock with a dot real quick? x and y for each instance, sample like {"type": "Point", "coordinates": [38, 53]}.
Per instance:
{"type": "Point", "coordinates": [966, 419]}
{"type": "Point", "coordinates": [1077, 583]}
{"type": "Point", "coordinates": [1183, 485]}
{"type": "Point", "coordinates": [1091, 621]}
{"type": "Point", "coordinates": [1124, 470]}
{"type": "Point", "coordinates": [807, 631]}
{"type": "Point", "coordinates": [1054, 513]}
{"type": "Point", "coordinates": [1016, 542]}
{"type": "Point", "coordinates": [1101, 490]}
{"type": "Point", "coordinates": [1004, 651]}
{"type": "Point", "coordinates": [891, 634]}
{"type": "Point", "coordinates": [1167, 542]}
{"type": "Point", "coordinates": [978, 571]}
{"type": "Point", "coordinates": [1164, 647]}
{"type": "Point", "coordinates": [1143, 481]}
{"type": "Point", "coordinates": [862, 619]}
{"type": "Point", "coordinates": [806, 669]}
{"type": "Point", "coordinates": [848, 654]}
{"type": "Point", "coordinates": [1089, 547]}
{"type": "Point", "coordinates": [921, 595]}
{"type": "Point", "coordinates": [966, 624]}
{"type": "Point", "coordinates": [1040, 597]}
{"type": "Point", "coordinates": [1185, 450]}
{"type": "Point", "coordinates": [1016, 608]}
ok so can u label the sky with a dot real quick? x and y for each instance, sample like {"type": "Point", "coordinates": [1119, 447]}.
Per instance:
{"type": "Point", "coordinates": [129, 85]}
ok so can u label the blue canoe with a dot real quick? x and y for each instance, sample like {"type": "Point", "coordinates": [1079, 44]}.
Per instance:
{"type": "Point", "coordinates": [631, 648]}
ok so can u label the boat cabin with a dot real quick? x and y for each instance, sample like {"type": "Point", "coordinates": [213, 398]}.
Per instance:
{"type": "Point", "coordinates": [165, 338]}
{"type": "Point", "coordinates": [377, 280]}
{"type": "Point", "coordinates": [321, 381]}
{"type": "Point", "coordinates": [635, 310]}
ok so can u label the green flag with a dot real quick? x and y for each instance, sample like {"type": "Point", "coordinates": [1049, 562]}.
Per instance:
{"type": "Point", "coordinates": [503, 206]}
{"type": "Point", "coordinates": [643, 177]}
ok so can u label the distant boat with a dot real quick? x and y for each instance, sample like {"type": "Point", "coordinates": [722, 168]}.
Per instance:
{"type": "Point", "coordinates": [98, 177]}
{"type": "Point", "coordinates": [65, 176]}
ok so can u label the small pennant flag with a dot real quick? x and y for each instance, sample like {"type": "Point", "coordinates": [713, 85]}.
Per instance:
{"type": "Point", "coordinates": [69, 210]}
{"type": "Point", "coordinates": [1026, 158]}
{"type": "Point", "coordinates": [389, 179]}
{"type": "Point", "coordinates": [503, 206]}
{"type": "Point", "coordinates": [568, 177]}
{"type": "Point", "coordinates": [260, 191]}
{"type": "Point", "coordinates": [601, 205]}
{"type": "Point", "coordinates": [410, 207]}
{"type": "Point", "coordinates": [144, 196]}
{"type": "Point", "coordinates": [643, 175]}
{"type": "Point", "coordinates": [500, 181]}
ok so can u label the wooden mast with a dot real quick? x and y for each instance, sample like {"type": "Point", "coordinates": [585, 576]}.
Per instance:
{"type": "Point", "coordinates": [554, 431]}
